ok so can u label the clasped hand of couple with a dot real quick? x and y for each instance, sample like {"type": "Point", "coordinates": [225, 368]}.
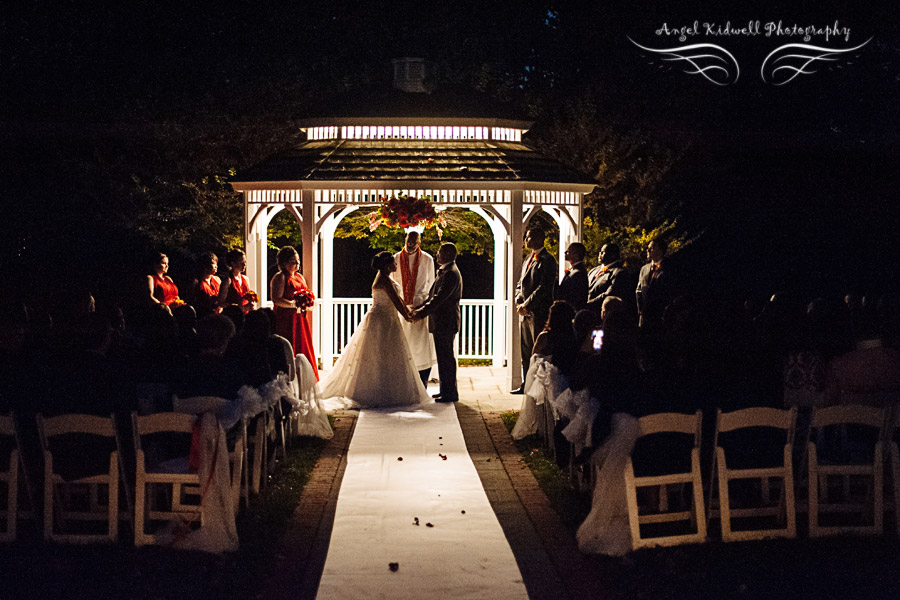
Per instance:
{"type": "Point", "coordinates": [412, 315]}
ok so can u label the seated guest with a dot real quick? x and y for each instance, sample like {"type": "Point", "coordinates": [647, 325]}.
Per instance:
{"type": "Point", "coordinates": [206, 374]}
{"type": "Point", "coordinates": [281, 353]}
{"type": "Point", "coordinates": [157, 361]}
{"type": "Point", "coordinates": [186, 321]}
{"type": "Point", "coordinates": [584, 324]}
{"type": "Point", "coordinates": [205, 293]}
{"type": "Point", "coordinates": [557, 339]}
{"type": "Point", "coordinates": [248, 352]}
{"type": "Point", "coordinates": [611, 373]}
{"type": "Point", "coordinates": [870, 374]}
{"type": "Point", "coordinates": [236, 314]}
{"type": "Point", "coordinates": [80, 380]}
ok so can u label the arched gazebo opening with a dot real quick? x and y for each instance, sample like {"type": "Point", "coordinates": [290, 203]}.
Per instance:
{"type": "Point", "coordinates": [475, 162]}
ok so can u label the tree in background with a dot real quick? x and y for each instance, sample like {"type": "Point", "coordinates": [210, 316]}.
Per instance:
{"type": "Point", "coordinates": [631, 168]}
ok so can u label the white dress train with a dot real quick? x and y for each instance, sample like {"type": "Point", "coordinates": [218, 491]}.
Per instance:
{"type": "Point", "coordinates": [376, 368]}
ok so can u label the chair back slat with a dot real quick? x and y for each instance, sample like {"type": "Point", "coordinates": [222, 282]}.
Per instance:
{"type": "Point", "coordinates": [75, 423]}
{"type": "Point", "coordinates": [163, 422]}
{"type": "Point", "coordinates": [857, 414]}
{"type": "Point", "coordinates": [671, 423]}
{"type": "Point", "coordinates": [757, 416]}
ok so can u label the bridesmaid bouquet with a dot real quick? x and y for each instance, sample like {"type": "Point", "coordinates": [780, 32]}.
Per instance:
{"type": "Point", "coordinates": [304, 300]}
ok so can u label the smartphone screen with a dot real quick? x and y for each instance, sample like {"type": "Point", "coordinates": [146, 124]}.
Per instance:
{"type": "Point", "coordinates": [598, 338]}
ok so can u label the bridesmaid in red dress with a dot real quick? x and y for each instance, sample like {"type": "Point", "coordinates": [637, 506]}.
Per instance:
{"type": "Point", "coordinates": [162, 289]}
{"type": "Point", "coordinates": [235, 286]}
{"type": "Point", "coordinates": [291, 318]}
{"type": "Point", "coordinates": [206, 287]}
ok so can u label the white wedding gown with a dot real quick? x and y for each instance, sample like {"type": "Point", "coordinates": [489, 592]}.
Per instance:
{"type": "Point", "coordinates": [376, 368]}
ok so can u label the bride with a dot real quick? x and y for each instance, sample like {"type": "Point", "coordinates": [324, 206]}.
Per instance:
{"type": "Point", "coordinates": [376, 367]}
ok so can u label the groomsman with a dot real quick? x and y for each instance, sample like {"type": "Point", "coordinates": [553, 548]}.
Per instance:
{"type": "Point", "coordinates": [415, 274]}
{"type": "Point", "coordinates": [609, 278]}
{"type": "Point", "coordinates": [442, 308]}
{"type": "Point", "coordinates": [574, 285]}
{"type": "Point", "coordinates": [534, 295]}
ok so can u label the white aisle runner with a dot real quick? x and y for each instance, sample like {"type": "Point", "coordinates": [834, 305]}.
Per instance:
{"type": "Point", "coordinates": [462, 554]}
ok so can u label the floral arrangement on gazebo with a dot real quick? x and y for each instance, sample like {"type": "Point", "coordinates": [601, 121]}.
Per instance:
{"type": "Point", "coordinates": [405, 212]}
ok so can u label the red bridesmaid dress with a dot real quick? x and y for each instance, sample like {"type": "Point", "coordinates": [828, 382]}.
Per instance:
{"type": "Point", "coordinates": [237, 291]}
{"type": "Point", "coordinates": [207, 296]}
{"type": "Point", "coordinates": [296, 326]}
{"type": "Point", "coordinates": [164, 290]}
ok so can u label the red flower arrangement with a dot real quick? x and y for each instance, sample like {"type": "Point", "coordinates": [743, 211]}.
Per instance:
{"type": "Point", "coordinates": [304, 299]}
{"type": "Point", "coordinates": [405, 212]}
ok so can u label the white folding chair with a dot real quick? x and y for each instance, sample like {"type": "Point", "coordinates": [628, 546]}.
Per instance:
{"type": "Point", "coordinates": [11, 477]}
{"type": "Point", "coordinates": [60, 488]}
{"type": "Point", "coordinates": [657, 424]}
{"type": "Point", "coordinates": [748, 418]}
{"type": "Point", "coordinates": [845, 466]}
{"type": "Point", "coordinates": [180, 485]}
{"type": "Point", "coordinates": [237, 457]}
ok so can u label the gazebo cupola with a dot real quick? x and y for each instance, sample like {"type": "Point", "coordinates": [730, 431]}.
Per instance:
{"type": "Point", "coordinates": [453, 145]}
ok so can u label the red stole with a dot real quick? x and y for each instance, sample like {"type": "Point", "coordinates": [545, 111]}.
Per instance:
{"type": "Point", "coordinates": [409, 279]}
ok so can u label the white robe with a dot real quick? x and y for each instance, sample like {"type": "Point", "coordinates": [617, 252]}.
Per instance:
{"type": "Point", "coordinates": [421, 346]}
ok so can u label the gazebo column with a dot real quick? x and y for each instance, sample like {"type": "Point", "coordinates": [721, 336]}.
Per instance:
{"type": "Point", "coordinates": [256, 223]}
{"type": "Point", "coordinates": [326, 293]}
{"type": "Point", "coordinates": [308, 232]}
{"type": "Point", "coordinates": [499, 231]}
{"type": "Point", "coordinates": [516, 237]}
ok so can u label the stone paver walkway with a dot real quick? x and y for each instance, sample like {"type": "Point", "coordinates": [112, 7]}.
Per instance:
{"type": "Point", "coordinates": [544, 547]}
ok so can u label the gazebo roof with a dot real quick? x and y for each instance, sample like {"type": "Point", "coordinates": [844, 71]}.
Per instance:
{"type": "Point", "coordinates": [410, 160]}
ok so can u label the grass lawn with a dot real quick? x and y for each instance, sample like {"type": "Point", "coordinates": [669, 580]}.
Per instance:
{"type": "Point", "coordinates": [839, 568]}
{"type": "Point", "coordinates": [31, 568]}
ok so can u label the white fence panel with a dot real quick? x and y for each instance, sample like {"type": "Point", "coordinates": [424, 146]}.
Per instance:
{"type": "Point", "coordinates": [475, 339]}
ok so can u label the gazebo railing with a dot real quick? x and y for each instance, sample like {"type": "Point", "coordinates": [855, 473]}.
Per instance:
{"type": "Point", "coordinates": [475, 339]}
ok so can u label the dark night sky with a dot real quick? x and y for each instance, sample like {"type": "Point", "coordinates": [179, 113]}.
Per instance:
{"type": "Point", "coordinates": [789, 183]}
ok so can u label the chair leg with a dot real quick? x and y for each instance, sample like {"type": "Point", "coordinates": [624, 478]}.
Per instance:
{"type": "Point", "coordinates": [140, 493]}
{"type": "Point", "coordinates": [787, 494]}
{"type": "Point", "coordinates": [724, 506]}
{"type": "Point", "coordinates": [813, 476]}
{"type": "Point", "coordinates": [878, 496]}
{"type": "Point", "coordinates": [895, 476]}
{"type": "Point", "coordinates": [113, 498]}
{"type": "Point", "coordinates": [48, 496]}
{"type": "Point", "coordinates": [12, 495]}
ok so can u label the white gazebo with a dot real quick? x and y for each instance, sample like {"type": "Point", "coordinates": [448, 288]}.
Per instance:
{"type": "Point", "coordinates": [348, 163]}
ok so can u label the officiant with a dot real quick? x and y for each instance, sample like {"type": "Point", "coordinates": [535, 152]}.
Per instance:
{"type": "Point", "coordinates": [414, 275]}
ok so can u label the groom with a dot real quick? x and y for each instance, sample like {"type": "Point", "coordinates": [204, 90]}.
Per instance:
{"type": "Point", "coordinates": [442, 306]}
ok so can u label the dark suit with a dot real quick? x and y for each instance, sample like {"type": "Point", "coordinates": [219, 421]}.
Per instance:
{"type": "Point", "coordinates": [611, 280]}
{"type": "Point", "coordinates": [655, 290]}
{"type": "Point", "coordinates": [442, 309]}
{"type": "Point", "coordinates": [535, 290]}
{"type": "Point", "coordinates": [574, 287]}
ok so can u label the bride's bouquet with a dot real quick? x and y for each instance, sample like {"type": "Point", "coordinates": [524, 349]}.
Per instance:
{"type": "Point", "coordinates": [405, 212]}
